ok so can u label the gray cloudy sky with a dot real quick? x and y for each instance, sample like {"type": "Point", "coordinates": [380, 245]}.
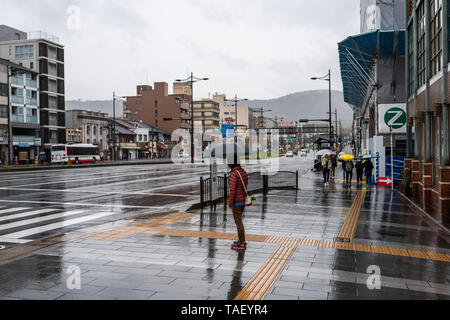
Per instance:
{"type": "Point", "coordinates": [258, 49]}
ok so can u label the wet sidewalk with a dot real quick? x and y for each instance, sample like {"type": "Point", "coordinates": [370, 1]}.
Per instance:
{"type": "Point", "coordinates": [317, 243]}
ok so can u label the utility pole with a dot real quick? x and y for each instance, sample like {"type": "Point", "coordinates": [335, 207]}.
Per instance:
{"type": "Point", "coordinates": [114, 127]}
{"type": "Point", "coordinates": [328, 78]}
{"type": "Point", "coordinates": [191, 79]}
{"type": "Point", "coordinates": [236, 100]}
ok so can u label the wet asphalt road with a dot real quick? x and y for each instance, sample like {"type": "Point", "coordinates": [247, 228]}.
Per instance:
{"type": "Point", "coordinates": [40, 204]}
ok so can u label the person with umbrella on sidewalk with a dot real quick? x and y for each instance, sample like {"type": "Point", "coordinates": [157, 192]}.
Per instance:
{"type": "Point", "coordinates": [326, 169]}
{"type": "Point", "coordinates": [359, 171]}
{"type": "Point", "coordinates": [349, 171]}
{"type": "Point", "coordinates": [368, 168]}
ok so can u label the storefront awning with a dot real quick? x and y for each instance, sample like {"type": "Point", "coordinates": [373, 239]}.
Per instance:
{"type": "Point", "coordinates": [357, 55]}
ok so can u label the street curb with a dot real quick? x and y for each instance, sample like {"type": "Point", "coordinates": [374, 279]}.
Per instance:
{"type": "Point", "coordinates": [84, 166]}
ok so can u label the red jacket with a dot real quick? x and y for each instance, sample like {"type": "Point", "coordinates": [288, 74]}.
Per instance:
{"type": "Point", "coordinates": [237, 192]}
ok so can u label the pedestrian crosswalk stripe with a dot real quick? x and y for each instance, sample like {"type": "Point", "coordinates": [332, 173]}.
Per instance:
{"type": "Point", "coordinates": [10, 240]}
{"type": "Point", "coordinates": [9, 210]}
{"type": "Point", "coordinates": [57, 225]}
{"type": "Point", "coordinates": [26, 214]}
{"type": "Point", "coordinates": [39, 219]}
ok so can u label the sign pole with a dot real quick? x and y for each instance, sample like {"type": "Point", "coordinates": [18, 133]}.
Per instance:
{"type": "Point", "coordinates": [392, 158]}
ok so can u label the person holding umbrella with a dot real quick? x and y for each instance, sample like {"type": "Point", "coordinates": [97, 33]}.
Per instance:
{"type": "Point", "coordinates": [359, 171]}
{"type": "Point", "coordinates": [368, 168]}
{"type": "Point", "coordinates": [326, 169]}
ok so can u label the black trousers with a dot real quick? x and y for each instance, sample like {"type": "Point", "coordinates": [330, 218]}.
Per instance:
{"type": "Point", "coordinates": [326, 175]}
{"type": "Point", "coordinates": [359, 176]}
{"type": "Point", "coordinates": [349, 176]}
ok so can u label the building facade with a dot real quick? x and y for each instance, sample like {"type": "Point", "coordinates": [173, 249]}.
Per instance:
{"type": "Point", "coordinates": [41, 52]}
{"type": "Point", "coordinates": [428, 92]}
{"type": "Point", "coordinates": [152, 105]}
{"type": "Point", "coordinates": [21, 107]}
{"type": "Point", "coordinates": [4, 114]}
{"type": "Point", "coordinates": [93, 126]}
{"type": "Point", "coordinates": [208, 113]}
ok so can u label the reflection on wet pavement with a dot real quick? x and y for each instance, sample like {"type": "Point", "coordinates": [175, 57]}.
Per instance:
{"type": "Point", "coordinates": [190, 257]}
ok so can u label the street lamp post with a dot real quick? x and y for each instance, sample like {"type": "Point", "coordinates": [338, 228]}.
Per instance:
{"type": "Point", "coordinates": [114, 124]}
{"type": "Point", "coordinates": [328, 78]}
{"type": "Point", "coordinates": [192, 80]}
{"type": "Point", "coordinates": [236, 100]}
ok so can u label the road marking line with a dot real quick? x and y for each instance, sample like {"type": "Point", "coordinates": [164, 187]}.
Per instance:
{"type": "Point", "coordinates": [9, 210]}
{"type": "Point", "coordinates": [26, 214]}
{"type": "Point", "coordinates": [10, 240]}
{"type": "Point", "coordinates": [57, 225]}
{"type": "Point", "coordinates": [84, 204]}
{"type": "Point", "coordinates": [25, 222]}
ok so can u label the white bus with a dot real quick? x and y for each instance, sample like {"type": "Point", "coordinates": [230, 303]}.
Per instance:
{"type": "Point", "coordinates": [75, 153]}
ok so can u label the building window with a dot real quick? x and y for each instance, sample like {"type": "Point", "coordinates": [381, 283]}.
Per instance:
{"type": "Point", "coordinates": [411, 61]}
{"type": "Point", "coordinates": [156, 104]}
{"type": "Point", "coordinates": [140, 137]}
{"type": "Point", "coordinates": [3, 90]}
{"type": "Point", "coordinates": [436, 36]}
{"type": "Point", "coordinates": [145, 138]}
{"type": "Point", "coordinates": [31, 65]}
{"type": "Point", "coordinates": [24, 52]}
{"type": "Point", "coordinates": [421, 48]}
{"type": "Point", "coordinates": [3, 111]}
{"type": "Point", "coordinates": [94, 130]}
{"type": "Point", "coordinates": [88, 130]}
{"type": "Point", "coordinates": [3, 131]}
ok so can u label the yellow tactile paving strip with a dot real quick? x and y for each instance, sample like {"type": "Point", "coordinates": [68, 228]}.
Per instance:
{"type": "Point", "coordinates": [348, 230]}
{"type": "Point", "coordinates": [141, 228]}
{"type": "Point", "coordinates": [154, 227]}
{"type": "Point", "coordinates": [258, 287]}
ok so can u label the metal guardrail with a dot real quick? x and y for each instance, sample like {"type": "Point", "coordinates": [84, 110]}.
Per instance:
{"type": "Point", "coordinates": [257, 183]}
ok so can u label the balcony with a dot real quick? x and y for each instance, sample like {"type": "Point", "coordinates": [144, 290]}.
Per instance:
{"type": "Point", "coordinates": [16, 118]}
{"type": "Point", "coordinates": [31, 83]}
{"type": "Point", "coordinates": [32, 119]}
{"type": "Point", "coordinates": [17, 81]}
{"type": "Point", "coordinates": [16, 99]}
{"type": "Point", "coordinates": [31, 101]}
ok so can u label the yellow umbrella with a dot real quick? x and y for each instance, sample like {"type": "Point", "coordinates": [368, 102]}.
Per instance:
{"type": "Point", "coordinates": [347, 157]}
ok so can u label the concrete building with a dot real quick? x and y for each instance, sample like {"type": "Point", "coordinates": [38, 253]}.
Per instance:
{"type": "Point", "coordinates": [73, 136]}
{"type": "Point", "coordinates": [41, 52]}
{"type": "Point", "coordinates": [20, 104]}
{"type": "Point", "coordinates": [153, 142]}
{"type": "Point", "coordinates": [94, 127]}
{"type": "Point", "coordinates": [372, 72]}
{"type": "Point", "coordinates": [428, 93]}
{"type": "Point", "coordinates": [4, 114]}
{"type": "Point", "coordinates": [152, 105]}
{"type": "Point", "coordinates": [208, 113]}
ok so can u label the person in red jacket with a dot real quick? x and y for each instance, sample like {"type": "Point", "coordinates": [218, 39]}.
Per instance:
{"type": "Point", "coordinates": [237, 202]}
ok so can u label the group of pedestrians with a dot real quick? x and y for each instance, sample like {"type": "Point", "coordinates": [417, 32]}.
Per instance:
{"type": "Point", "coordinates": [330, 163]}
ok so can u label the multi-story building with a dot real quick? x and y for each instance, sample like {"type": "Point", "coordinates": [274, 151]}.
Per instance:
{"type": "Point", "coordinates": [94, 127]}
{"type": "Point", "coordinates": [228, 114]}
{"type": "Point", "coordinates": [73, 136]}
{"type": "Point", "coordinates": [428, 92]}
{"type": "Point", "coordinates": [4, 114]}
{"type": "Point", "coordinates": [153, 142]}
{"type": "Point", "coordinates": [41, 52]}
{"type": "Point", "coordinates": [208, 113]}
{"type": "Point", "coordinates": [372, 69]}
{"type": "Point", "coordinates": [21, 101]}
{"type": "Point", "coordinates": [153, 105]}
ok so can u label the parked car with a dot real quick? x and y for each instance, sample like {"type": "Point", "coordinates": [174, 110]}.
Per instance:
{"type": "Point", "coordinates": [303, 153]}
{"type": "Point", "coordinates": [289, 154]}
